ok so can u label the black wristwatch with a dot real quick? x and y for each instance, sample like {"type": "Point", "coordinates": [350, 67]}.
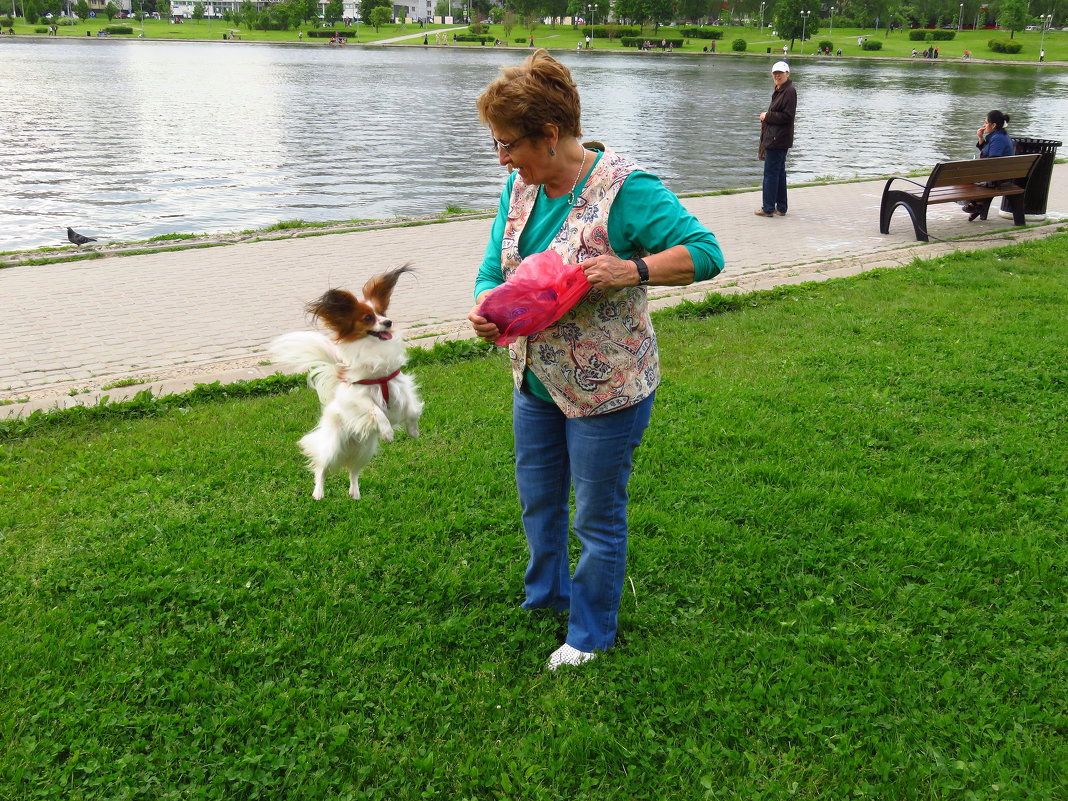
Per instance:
{"type": "Point", "coordinates": [643, 271]}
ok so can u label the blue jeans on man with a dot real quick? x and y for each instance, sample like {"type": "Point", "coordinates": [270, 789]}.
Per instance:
{"type": "Point", "coordinates": [774, 180]}
{"type": "Point", "coordinates": [594, 455]}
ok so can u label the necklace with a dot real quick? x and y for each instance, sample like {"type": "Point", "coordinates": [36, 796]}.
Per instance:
{"type": "Point", "coordinates": [571, 194]}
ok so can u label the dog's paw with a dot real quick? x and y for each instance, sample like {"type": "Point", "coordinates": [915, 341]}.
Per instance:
{"type": "Point", "coordinates": [386, 432]}
{"type": "Point", "coordinates": [413, 430]}
{"type": "Point", "coordinates": [317, 494]}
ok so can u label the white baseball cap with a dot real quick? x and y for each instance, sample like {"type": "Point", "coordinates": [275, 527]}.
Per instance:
{"type": "Point", "coordinates": [780, 66]}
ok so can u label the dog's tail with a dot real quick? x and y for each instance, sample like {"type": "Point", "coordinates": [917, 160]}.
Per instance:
{"type": "Point", "coordinates": [313, 352]}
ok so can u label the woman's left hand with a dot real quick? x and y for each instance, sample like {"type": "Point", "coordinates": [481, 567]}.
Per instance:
{"type": "Point", "coordinates": [609, 272]}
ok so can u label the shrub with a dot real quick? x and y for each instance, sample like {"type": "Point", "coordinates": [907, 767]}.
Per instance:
{"type": "Point", "coordinates": [328, 34]}
{"type": "Point", "coordinates": [872, 44]}
{"type": "Point", "coordinates": [477, 28]}
{"type": "Point", "coordinates": [636, 41]}
{"type": "Point", "coordinates": [6, 22]}
{"type": "Point", "coordinates": [738, 45]}
{"type": "Point", "coordinates": [119, 29]}
{"type": "Point", "coordinates": [65, 21]}
{"type": "Point", "coordinates": [702, 33]}
{"type": "Point", "coordinates": [918, 35]}
{"type": "Point", "coordinates": [826, 44]}
{"type": "Point", "coordinates": [925, 35]}
{"type": "Point", "coordinates": [1004, 46]}
{"type": "Point", "coordinates": [610, 31]}
{"type": "Point", "coordinates": [470, 37]}
{"type": "Point", "coordinates": [40, 30]}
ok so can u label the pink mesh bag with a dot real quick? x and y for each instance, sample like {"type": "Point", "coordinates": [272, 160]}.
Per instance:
{"type": "Point", "coordinates": [540, 291]}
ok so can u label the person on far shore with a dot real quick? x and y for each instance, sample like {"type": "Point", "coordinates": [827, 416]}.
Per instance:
{"type": "Point", "coordinates": [583, 387]}
{"type": "Point", "coordinates": [777, 137]}
{"type": "Point", "coordinates": [993, 142]}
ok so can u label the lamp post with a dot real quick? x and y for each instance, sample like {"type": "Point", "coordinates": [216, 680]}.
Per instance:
{"type": "Point", "coordinates": [804, 26]}
{"type": "Point", "coordinates": [960, 17]}
{"type": "Point", "coordinates": [762, 16]}
{"type": "Point", "coordinates": [1046, 22]}
{"type": "Point", "coordinates": [832, 20]}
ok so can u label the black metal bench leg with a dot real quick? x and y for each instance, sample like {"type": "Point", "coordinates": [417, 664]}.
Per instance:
{"type": "Point", "coordinates": [1018, 216]}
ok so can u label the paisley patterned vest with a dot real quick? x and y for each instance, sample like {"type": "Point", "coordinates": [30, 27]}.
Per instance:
{"type": "Point", "coordinates": [601, 356]}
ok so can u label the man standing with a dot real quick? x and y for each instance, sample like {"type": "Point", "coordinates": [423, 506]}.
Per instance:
{"type": "Point", "coordinates": [776, 137]}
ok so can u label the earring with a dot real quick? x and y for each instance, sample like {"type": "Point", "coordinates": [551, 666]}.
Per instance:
{"type": "Point", "coordinates": [552, 151]}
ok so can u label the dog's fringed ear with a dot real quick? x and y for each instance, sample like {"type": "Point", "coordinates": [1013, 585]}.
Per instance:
{"type": "Point", "coordinates": [379, 289]}
{"type": "Point", "coordinates": [336, 309]}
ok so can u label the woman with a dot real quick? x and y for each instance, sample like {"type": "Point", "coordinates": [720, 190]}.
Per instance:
{"type": "Point", "coordinates": [584, 386]}
{"type": "Point", "coordinates": [776, 137]}
{"type": "Point", "coordinates": [994, 142]}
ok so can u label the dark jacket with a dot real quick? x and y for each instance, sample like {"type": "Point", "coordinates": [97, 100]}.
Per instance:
{"type": "Point", "coordinates": [777, 133]}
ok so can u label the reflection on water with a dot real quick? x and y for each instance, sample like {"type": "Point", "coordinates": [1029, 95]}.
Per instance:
{"type": "Point", "coordinates": [128, 140]}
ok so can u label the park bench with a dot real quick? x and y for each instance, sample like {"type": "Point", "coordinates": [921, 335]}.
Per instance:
{"type": "Point", "coordinates": [951, 181]}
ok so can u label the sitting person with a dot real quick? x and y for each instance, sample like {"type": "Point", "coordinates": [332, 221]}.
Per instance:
{"type": "Point", "coordinates": [994, 142]}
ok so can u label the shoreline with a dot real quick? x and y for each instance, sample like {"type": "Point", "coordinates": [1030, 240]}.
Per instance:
{"type": "Point", "coordinates": [796, 57]}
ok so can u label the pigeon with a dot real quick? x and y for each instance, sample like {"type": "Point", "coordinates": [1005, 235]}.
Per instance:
{"type": "Point", "coordinates": [76, 238]}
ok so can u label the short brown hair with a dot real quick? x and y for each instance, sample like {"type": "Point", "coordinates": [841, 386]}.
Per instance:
{"type": "Point", "coordinates": [538, 92]}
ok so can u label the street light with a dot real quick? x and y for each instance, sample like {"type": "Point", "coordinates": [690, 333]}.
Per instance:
{"type": "Point", "coordinates": [762, 15]}
{"type": "Point", "coordinates": [960, 18]}
{"type": "Point", "coordinates": [804, 25]}
{"type": "Point", "coordinates": [832, 20]}
{"type": "Point", "coordinates": [1046, 22]}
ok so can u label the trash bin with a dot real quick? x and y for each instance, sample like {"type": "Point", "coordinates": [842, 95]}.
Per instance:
{"type": "Point", "coordinates": [1037, 192]}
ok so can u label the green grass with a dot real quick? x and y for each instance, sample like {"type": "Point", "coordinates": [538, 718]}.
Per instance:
{"type": "Point", "coordinates": [897, 45]}
{"type": "Point", "coordinates": [847, 565]}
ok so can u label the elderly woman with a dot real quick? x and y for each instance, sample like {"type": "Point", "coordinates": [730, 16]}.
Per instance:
{"type": "Point", "coordinates": [584, 386]}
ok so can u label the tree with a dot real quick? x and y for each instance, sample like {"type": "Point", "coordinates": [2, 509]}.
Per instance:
{"type": "Point", "coordinates": [111, 10]}
{"type": "Point", "coordinates": [789, 22]}
{"type": "Point", "coordinates": [334, 11]}
{"type": "Point", "coordinates": [1013, 16]}
{"type": "Point", "coordinates": [660, 12]}
{"type": "Point", "coordinates": [508, 22]}
{"type": "Point", "coordinates": [496, 15]}
{"type": "Point", "coordinates": [30, 12]}
{"type": "Point", "coordinates": [81, 10]}
{"type": "Point", "coordinates": [163, 8]}
{"type": "Point", "coordinates": [198, 11]}
{"type": "Point", "coordinates": [380, 15]}
{"type": "Point", "coordinates": [366, 6]}
{"type": "Point", "coordinates": [634, 11]}
{"type": "Point", "coordinates": [247, 14]}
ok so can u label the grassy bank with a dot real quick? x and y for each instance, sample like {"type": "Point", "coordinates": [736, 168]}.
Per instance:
{"type": "Point", "coordinates": [896, 45]}
{"type": "Point", "coordinates": [846, 576]}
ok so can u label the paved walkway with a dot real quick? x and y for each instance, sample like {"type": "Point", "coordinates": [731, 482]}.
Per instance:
{"type": "Point", "coordinates": [180, 318]}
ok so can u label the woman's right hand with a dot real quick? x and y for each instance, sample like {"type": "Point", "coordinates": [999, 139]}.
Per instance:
{"type": "Point", "coordinates": [483, 327]}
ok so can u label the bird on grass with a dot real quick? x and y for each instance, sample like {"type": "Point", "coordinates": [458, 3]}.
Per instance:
{"type": "Point", "coordinates": [76, 238]}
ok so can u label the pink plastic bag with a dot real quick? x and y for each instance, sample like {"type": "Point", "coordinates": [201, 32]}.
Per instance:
{"type": "Point", "coordinates": [540, 291]}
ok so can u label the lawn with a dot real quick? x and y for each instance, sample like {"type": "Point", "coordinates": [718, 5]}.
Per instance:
{"type": "Point", "coordinates": [896, 45]}
{"type": "Point", "coordinates": [846, 577]}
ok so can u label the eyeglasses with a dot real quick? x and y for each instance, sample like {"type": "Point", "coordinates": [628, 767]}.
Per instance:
{"type": "Point", "coordinates": [498, 145]}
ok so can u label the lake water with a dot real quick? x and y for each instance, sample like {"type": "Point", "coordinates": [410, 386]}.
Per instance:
{"type": "Point", "coordinates": [132, 139]}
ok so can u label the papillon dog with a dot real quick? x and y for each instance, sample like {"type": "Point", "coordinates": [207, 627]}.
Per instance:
{"type": "Point", "coordinates": [356, 371]}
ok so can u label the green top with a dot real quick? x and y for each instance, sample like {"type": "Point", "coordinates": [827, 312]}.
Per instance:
{"type": "Point", "coordinates": [645, 217]}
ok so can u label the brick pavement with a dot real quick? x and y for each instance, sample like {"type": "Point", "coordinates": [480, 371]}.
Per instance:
{"type": "Point", "coordinates": [186, 317]}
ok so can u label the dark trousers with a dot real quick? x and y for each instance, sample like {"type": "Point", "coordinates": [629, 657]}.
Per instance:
{"type": "Point", "coordinates": [774, 180]}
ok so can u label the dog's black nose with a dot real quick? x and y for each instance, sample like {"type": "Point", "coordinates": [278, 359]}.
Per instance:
{"type": "Point", "coordinates": [387, 323]}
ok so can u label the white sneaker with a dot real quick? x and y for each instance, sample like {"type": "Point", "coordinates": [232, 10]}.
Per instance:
{"type": "Point", "coordinates": [566, 655]}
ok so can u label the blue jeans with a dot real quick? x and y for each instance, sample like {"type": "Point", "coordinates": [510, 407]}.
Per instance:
{"type": "Point", "coordinates": [594, 455]}
{"type": "Point", "coordinates": [774, 180]}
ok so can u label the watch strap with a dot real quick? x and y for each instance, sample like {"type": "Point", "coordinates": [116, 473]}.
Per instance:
{"type": "Point", "coordinates": [643, 271]}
